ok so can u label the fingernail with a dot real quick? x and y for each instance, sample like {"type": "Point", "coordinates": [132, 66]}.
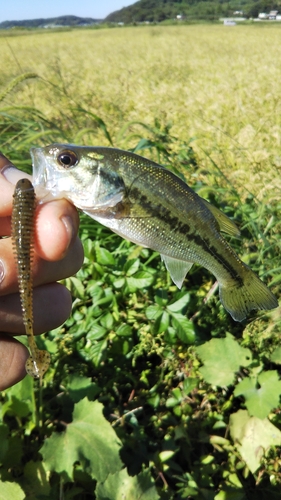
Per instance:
{"type": "Point", "coordinates": [69, 226]}
{"type": "Point", "coordinates": [2, 271]}
{"type": "Point", "coordinates": [10, 173]}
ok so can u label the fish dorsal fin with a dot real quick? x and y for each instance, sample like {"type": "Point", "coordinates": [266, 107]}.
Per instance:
{"type": "Point", "coordinates": [178, 269]}
{"type": "Point", "coordinates": [225, 224]}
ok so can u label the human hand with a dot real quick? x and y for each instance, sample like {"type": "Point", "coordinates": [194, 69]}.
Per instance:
{"type": "Point", "coordinates": [58, 254]}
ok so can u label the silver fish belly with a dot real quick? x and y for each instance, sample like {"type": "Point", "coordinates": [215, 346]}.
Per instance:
{"type": "Point", "coordinates": [149, 205]}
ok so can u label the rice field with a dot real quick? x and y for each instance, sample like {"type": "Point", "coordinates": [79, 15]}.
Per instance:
{"type": "Point", "coordinates": [217, 85]}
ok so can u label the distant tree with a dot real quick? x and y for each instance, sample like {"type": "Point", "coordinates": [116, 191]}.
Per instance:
{"type": "Point", "coordinates": [254, 9]}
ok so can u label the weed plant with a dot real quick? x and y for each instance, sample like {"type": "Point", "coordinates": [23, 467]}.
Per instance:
{"type": "Point", "coordinates": [153, 393]}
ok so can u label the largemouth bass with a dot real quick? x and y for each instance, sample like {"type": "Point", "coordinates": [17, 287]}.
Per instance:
{"type": "Point", "coordinates": [147, 204]}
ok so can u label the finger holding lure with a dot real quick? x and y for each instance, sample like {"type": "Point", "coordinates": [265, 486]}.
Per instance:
{"type": "Point", "coordinates": [147, 204]}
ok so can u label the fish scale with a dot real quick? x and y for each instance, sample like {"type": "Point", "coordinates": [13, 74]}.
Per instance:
{"type": "Point", "coordinates": [149, 205]}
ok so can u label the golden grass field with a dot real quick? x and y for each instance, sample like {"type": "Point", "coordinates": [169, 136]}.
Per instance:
{"type": "Point", "coordinates": [219, 85]}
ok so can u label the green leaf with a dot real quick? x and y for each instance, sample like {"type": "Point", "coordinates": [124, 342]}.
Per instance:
{"type": "Point", "coordinates": [184, 328]}
{"type": "Point", "coordinates": [21, 399]}
{"type": "Point", "coordinates": [152, 312]}
{"type": "Point", "coordinates": [107, 321]}
{"type": "Point", "coordinates": [124, 330]}
{"type": "Point", "coordinates": [11, 490]}
{"type": "Point", "coordinates": [35, 481]}
{"type": "Point", "coordinates": [179, 304]}
{"type": "Point", "coordinates": [162, 322]}
{"type": "Point", "coordinates": [96, 351]}
{"type": "Point", "coordinates": [131, 267]}
{"type": "Point", "coordinates": [231, 494]}
{"type": "Point", "coordinates": [260, 400]}
{"type": "Point", "coordinates": [89, 440]}
{"type": "Point", "coordinates": [253, 437]}
{"type": "Point", "coordinates": [166, 455]}
{"type": "Point", "coordinates": [104, 257]}
{"type": "Point", "coordinates": [79, 387]}
{"type": "Point", "coordinates": [276, 356]}
{"type": "Point", "coordinates": [222, 358]}
{"type": "Point", "coordinates": [75, 286]}
{"type": "Point", "coordinates": [96, 332]}
{"type": "Point", "coordinates": [189, 384]}
{"type": "Point", "coordinates": [141, 279]}
{"type": "Point", "coordinates": [121, 486]}
{"type": "Point", "coordinates": [176, 398]}
{"type": "Point", "coordinates": [119, 283]}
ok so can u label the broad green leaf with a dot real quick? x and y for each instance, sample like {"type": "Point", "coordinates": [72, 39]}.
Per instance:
{"type": "Point", "coordinates": [119, 283]}
{"type": "Point", "coordinates": [231, 494]}
{"type": "Point", "coordinates": [104, 257]}
{"type": "Point", "coordinates": [162, 322]}
{"type": "Point", "coordinates": [96, 352]}
{"type": "Point", "coordinates": [152, 312]}
{"type": "Point", "coordinates": [107, 320]}
{"type": "Point", "coordinates": [142, 279]}
{"type": "Point", "coordinates": [79, 387]}
{"type": "Point", "coordinates": [179, 304]}
{"type": "Point", "coordinates": [222, 358]}
{"type": "Point", "coordinates": [89, 440]}
{"type": "Point", "coordinates": [96, 332]}
{"type": "Point", "coordinates": [184, 328]}
{"type": "Point", "coordinates": [21, 399]}
{"type": "Point", "coordinates": [124, 331]}
{"type": "Point", "coordinates": [276, 356]}
{"type": "Point", "coordinates": [261, 395]}
{"type": "Point", "coordinates": [189, 384]}
{"type": "Point", "coordinates": [131, 266]}
{"type": "Point", "coordinates": [34, 481]}
{"type": "Point", "coordinates": [253, 437]}
{"type": "Point", "coordinates": [170, 336]}
{"type": "Point", "coordinates": [121, 486]}
{"type": "Point", "coordinates": [75, 286]}
{"type": "Point", "coordinates": [11, 491]}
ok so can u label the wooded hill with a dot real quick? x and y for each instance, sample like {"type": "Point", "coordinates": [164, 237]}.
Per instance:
{"type": "Point", "coordinates": [161, 10]}
{"type": "Point", "coordinates": [52, 21]}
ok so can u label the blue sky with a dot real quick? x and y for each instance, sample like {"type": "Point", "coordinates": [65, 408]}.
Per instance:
{"type": "Point", "coordinates": [15, 10]}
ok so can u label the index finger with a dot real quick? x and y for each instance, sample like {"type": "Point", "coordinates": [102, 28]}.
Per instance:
{"type": "Point", "coordinates": [8, 178]}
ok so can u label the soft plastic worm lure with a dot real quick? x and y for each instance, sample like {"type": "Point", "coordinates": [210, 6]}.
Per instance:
{"type": "Point", "coordinates": [23, 221]}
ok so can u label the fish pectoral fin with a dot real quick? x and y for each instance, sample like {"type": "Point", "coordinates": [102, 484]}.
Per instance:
{"type": "Point", "coordinates": [178, 269]}
{"type": "Point", "coordinates": [225, 224]}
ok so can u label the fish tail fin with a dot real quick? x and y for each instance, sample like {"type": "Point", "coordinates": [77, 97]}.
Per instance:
{"type": "Point", "coordinates": [240, 298]}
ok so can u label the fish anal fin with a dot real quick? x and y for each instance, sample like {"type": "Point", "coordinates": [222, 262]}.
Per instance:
{"type": "Point", "coordinates": [178, 269]}
{"type": "Point", "coordinates": [225, 224]}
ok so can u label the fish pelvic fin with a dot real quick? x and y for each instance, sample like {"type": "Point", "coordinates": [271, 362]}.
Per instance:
{"type": "Point", "coordinates": [241, 298]}
{"type": "Point", "coordinates": [178, 269]}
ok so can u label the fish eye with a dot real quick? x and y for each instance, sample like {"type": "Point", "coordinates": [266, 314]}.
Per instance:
{"type": "Point", "coordinates": [67, 159]}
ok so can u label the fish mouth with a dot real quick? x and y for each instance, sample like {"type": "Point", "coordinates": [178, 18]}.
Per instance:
{"type": "Point", "coordinates": [42, 179]}
{"type": "Point", "coordinates": [38, 167]}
